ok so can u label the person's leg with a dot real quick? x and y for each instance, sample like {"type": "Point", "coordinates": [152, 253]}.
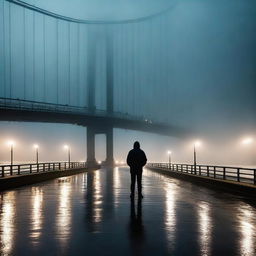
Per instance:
{"type": "Point", "coordinates": [133, 180]}
{"type": "Point", "coordinates": [139, 178]}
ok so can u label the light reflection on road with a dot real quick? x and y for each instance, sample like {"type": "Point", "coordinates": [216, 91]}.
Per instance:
{"type": "Point", "coordinates": [75, 214]}
{"type": "Point", "coordinates": [247, 221]}
{"type": "Point", "coordinates": [64, 211]}
{"type": "Point", "coordinates": [7, 222]}
{"type": "Point", "coordinates": [36, 213]}
{"type": "Point", "coordinates": [205, 227]}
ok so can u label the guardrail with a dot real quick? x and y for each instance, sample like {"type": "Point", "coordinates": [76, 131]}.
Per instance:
{"type": "Point", "coordinates": [30, 105]}
{"type": "Point", "coordinates": [238, 174]}
{"type": "Point", "coordinates": [19, 169]}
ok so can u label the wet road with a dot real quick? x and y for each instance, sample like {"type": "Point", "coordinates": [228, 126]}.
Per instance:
{"type": "Point", "coordinates": [91, 214]}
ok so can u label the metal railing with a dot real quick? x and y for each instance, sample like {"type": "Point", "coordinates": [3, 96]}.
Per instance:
{"type": "Point", "coordinates": [238, 174]}
{"type": "Point", "coordinates": [29, 105]}
{"type": "Point", "coordinates": [20, 169]}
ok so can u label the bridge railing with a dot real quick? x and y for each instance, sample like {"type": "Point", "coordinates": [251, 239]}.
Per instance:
{"type": "Point", "coordinates": [238, 174]}
{"type": "Point", "coordinates": [21, 104]}
{"type": "Point", "coordinates": [20, 169]}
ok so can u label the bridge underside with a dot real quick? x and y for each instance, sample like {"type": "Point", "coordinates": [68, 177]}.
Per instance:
{"type": "Point", "coordinates": [98, 122]}
{"type": "Point", "coordinates": [95, 125]}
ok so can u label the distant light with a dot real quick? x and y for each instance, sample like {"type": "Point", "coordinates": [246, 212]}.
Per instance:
{"type": "Point", "coordinates": [247, 141]}
{"type": "Point", "coordinates": [10, 143]}
{"type": "Point", "coordinates": [117, 162]}
{"type": "Point", "coordinates": [99, 162]}
{"type": "Point", "coordinates": [169, 152]}
{"type": "Point", "coordinates": [122, 162]}
{"type": "Point", "coordinates": [36, 146]}
{"type": "Point", "coordinates": [66, 146]}
{"type": "Point", "coordinates": [197, 143]}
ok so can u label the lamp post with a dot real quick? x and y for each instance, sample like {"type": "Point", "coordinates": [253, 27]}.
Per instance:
{"type": "Point", "coordinates": [196, 144]}
{"type": "Point", "coordinates": [169, 158]}
{"type": "Point", "coordinates": [11, 144]}
{"type": "Point", "coordinates": [36, 147]}
{"type": "Point", "coordinates": [247, 141]}
{"type": "Point", "coordinates": [68, 149]}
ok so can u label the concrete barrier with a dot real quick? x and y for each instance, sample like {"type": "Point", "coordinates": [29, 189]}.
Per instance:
{"type": "Point", "coordinates": [27, 179]}
{"type": "Point", "coordinates": [233, 187]}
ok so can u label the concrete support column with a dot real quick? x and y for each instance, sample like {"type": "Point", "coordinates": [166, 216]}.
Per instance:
{"type": "Point", "coordinates": [91, 161]}
{"type": "Point", "coordinates": [110, 153]}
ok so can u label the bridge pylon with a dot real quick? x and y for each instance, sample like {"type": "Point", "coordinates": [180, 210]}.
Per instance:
{"type": "Point", "coordinates": [91, 132]}
{"type": "Point", "coordinates": [110, 148]}
{"type": "Point", "coordinates": [91, 160]}
{"type": "Point", "coordinates": [97, 129]}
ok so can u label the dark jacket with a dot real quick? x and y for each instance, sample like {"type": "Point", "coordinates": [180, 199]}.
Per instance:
{"type": "Point", "coordinates": [136, 159]}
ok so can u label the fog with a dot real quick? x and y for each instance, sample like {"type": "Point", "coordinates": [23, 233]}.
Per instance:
{"type": "Point", "coordinates": [192, 66]}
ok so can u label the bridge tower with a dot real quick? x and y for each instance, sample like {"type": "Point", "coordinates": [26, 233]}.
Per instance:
{"type": "Point", "coordinates": [106, 129]}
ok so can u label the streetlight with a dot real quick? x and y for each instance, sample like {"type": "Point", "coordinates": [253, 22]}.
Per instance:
{"type": "Point", "coordinates": [66, 147]}
{"type": "Point", "coordinates": [11, 144]}
{"type": "Point", "coordinates": [36, 148]}
{"type": "Point", "coordinates": [247, 141]}
{"type": "Point", "coordinates": [196, 144]}
{"type": "Point", "coordinates": [169, 158]}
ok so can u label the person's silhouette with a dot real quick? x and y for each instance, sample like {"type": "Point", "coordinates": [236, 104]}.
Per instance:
{"type": "Point", "coordinates": [136, 159]}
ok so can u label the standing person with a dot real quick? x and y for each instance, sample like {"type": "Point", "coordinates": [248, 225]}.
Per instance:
{"type": "Point", "coordinates": [136, 159]}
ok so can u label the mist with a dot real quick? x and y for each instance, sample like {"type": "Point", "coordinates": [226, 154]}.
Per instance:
{"type": "Point", "coordinates": [192, 66]}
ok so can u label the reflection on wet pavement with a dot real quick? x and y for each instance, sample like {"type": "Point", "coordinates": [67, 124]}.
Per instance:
{"type": "Point", "coordinates": [204, 228]}
{"type": "Point", "coordinates": [7, 222]}
{"type": "Point", "coordinates": [247, 221]}
{"type": "Point", "coordinates": [36, 214]}
{"type": "Point", "coordinates": [64, 212]}
{"type": "Point", "coordinates": [91, 214]}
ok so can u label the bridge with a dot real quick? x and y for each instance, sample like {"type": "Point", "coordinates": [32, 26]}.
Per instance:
{"type": "Point", "coordinates": [91, 212]}
{"type": "Point", "coordinates": [19, 97]}
{"type": "Point", "coordinates": [102, 74]}
{"type": "Point", "coordinates": [32, 111]}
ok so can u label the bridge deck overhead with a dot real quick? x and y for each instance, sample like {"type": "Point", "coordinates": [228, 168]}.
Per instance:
{"type": "Point", "coordinates": [91, 214]}
{"type": "Point", "coordinates": [32, 111]}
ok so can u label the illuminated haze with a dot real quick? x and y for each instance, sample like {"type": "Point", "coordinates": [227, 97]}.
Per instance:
{"type": "Point", "coordinates": [193, 67]}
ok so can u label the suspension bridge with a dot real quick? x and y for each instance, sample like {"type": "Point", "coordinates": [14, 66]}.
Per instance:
{"type": "Point", "coordinates": [61, 69]}
{"type": "Point", "coordinates": [50, 72]}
